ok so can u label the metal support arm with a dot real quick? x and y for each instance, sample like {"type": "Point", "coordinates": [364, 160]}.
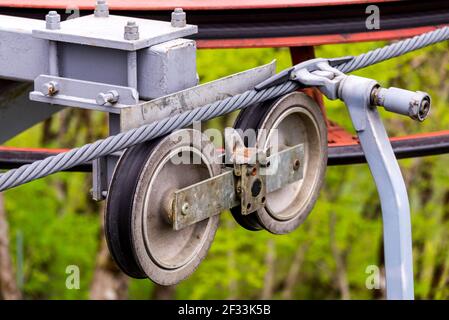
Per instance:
{"type": "Point", "coordinates": [361, 96]}
{"type": "Point", "coordinates": [355, 92]}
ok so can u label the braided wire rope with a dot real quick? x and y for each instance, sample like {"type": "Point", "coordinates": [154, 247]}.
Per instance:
{"type": "Point", "coordinates": [111, 144]}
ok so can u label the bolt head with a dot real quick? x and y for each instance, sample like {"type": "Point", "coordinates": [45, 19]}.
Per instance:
{"type": "Point", "coordinates": [53, 20]}
{"type": "Point", "coordinates": [108, 97]}
{"type": "Point", "coordinates": [131, 31]}
{"type": "Point", "coordinates": [50, 88]}
{"type": "Point", "coordinates": [101, 9]}
{"type": "Point", "coordinates": [185, 208]}
{"type": "Point", "coordinates": [101, 99]}
{"type": "Point", "coordinates": [178, 18]}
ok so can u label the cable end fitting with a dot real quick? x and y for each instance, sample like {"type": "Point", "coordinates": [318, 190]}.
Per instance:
{"type": "Point", "coordinates": [415, 104]}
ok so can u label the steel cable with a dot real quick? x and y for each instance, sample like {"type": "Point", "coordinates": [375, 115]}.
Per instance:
{"type": "Point", "coordinates": [109, 145]}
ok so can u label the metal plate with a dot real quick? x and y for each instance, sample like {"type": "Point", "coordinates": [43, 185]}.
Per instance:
{"type": "Point", "coordinates": [82, 94]}
{"type": "Point", "coordinates": [189, 99]}
{"type": "Point", "coordinates": [214, 195]}
{"type": "Point", "coordinates": [204, 199]}
{"type": "Point", "coordinates": [284, 168]}
{"type": "Point", "coordinates": [108, 32]}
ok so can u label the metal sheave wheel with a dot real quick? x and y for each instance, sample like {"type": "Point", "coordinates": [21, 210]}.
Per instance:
{"type": "Point", "coordinates": [298, 119]}
{"type": "Point", "coordinates": [138, 231]}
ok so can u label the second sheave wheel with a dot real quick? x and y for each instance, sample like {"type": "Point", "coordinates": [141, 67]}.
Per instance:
{"type": "Point", "coordinates": [290, 120]}
{"type": "Point", "coordinates": [138, 229]}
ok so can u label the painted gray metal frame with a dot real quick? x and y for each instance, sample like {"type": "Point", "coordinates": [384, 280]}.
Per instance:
{"type": "Point", "coordinates": [107, 32]}
{"type": "Point", "coordinates": [356, 93]}
{"type": "Point", "coordinates": [82, 94]}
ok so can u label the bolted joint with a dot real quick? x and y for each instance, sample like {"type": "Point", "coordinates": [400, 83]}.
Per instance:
{"type": "Point", "coordinates": [131, 31]}
{"type": "Point", "coordinates": [108, 97]}
{"type": "Point", "coordinates": [101, 9]}
{"type": "Point", "coordinates": [178, 18]}
{"type": "Point", "coordinates": [185, 209]}
{"type": "Point", "coordinates": [53, 21]}
{"type": "Point", "coordinates": [416, 105]}
{"type": "Point", "coordinates": [50, 88]}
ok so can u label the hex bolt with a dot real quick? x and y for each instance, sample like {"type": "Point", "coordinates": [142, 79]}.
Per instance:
{"type": "Point", "coordinates": [178, 18]}
{"type": "Point", "coordinates": [53, 21]}
{"type": "Point", "coordinates": [108, 97]}
{"type": "Point", "coordinates": [131, 31]}
{"type": "Point", "coordinates": [185, 208]}
{"type": "Point", "coordinates": [101, 9]}
{"type": "Point", "coordinates": [50, 88]}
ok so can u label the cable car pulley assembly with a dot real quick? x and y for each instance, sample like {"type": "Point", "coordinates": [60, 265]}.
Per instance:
{"type": "Point", "coordinates": [165, 191]}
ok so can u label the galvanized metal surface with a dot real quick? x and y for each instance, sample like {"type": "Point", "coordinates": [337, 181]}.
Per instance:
{"type": "Point", "coordinates": [285, 167]}
{"type": "Point", "coordinates": [214, 195]}
{"type": "Point", "coordinates": [251, 186]}
{"type": "Point", "coordinates": [108, 32]}
{"type": "Point", "coordinates": [189, 99]}
{"type": "Point", "coordinates": [204, 199]}
{"type": "Point", "coordinates": [297, 120]}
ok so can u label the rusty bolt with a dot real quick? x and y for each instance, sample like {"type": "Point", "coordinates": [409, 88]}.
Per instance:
{"type": "Point", "coordinates": [131, 31]}
{"type": "Point", "coordinates": [53, 21]}
{"type": "Point", "coordinates": [50, 88]}
{"type": "Point", "coordinates": [178, 18]}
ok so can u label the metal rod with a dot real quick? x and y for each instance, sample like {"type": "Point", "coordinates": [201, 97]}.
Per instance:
{"type": "Point", "coordinates": [53, 59]}
{"type": "Point", "coordinates": [132, 69]}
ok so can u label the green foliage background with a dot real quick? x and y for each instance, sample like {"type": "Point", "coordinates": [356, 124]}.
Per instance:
{"type": "Point", "coordinates": [60, 225]}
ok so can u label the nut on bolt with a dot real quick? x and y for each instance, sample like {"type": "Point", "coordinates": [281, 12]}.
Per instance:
{"type": "Point", "coordinates": [50, 88]}
{"type": "Point", "coordinates": [131, 31]}
{"type": "Point", "coordinates": [185, 208]}
{"type": "Point", "coordinates": [108, 97]}
{"type": "Point", "coordinates": [53, 21]}
{"type": "Point", "coordinates": [101, 9]}
{"type": "Point", "coordinates": [178, 18]}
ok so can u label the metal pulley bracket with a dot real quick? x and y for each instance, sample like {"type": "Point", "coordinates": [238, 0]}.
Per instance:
{"type": "Point", "coordinates": [241, 185]}
{"type": "Point", "coordinates": [250, 186]}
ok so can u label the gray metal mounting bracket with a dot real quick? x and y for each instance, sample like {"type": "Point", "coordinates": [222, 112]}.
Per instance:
{"type": "Point", "coordinates": [356, 93]}
{"type": "Point", "coordinates": [83, 94]}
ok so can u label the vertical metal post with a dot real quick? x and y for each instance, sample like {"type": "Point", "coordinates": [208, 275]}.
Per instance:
{"type": "Point", "coordinates": [53, 59]}
{"type": "Point", "coordinates": [355, 91]}
{"type": "Point", "coordinates": [132, 69]}
{"type": "Point", "coordinates": [53, 22]}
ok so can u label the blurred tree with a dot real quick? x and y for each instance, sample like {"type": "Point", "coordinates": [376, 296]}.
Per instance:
{"type": "Point", "coordinates": [8, 285]}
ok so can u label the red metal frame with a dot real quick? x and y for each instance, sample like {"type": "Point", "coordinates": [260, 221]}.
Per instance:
{"type": "Point", "coordinates": [313, 40]}
{"type": "Point", "coordinates": [153, 5]}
